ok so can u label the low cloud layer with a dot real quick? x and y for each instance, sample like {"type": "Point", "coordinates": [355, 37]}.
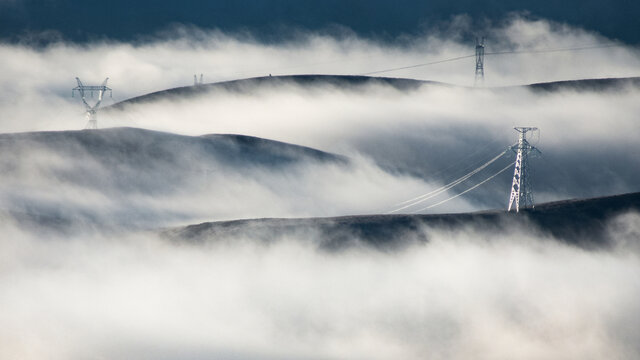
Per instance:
{"type": "Point", "coordinates": [120, 293]}
{"type": "Point", "coordinates": [464, 294]}
{"type": "Point", "coordinates": [35, 80]}
{"type": "Point", "coordinates": [434, 133]}
{"type": "Point", "coordinates": [587, 137]}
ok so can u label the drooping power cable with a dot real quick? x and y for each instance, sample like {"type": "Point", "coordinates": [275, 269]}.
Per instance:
{"type": "Point", "coordinates": [422, 198]}
{"type": "Point", "coordinates": [466, 191]}
{"type": "Point", "coordinates": [541, 51]}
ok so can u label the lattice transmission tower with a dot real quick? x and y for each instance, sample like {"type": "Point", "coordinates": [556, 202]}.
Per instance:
{"type": "Point", "coordinates": [197, 82]}
{"type": "Point", "coordinates": [521, 192]}
{"type": "Point", "coordinates": [479, 80]}
{"type": "Point", "coordinates": [91, 111]}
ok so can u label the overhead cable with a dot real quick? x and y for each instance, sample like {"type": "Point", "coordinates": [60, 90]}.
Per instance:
{"type": "Point", "coordinates": [466, 191]}
{"type": "Point", "coordinates": [579, 48]}
{"type": "Point", "coordinates": [438, 191]}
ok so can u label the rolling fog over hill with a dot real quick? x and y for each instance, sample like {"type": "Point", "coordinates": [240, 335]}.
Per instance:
{"type": "Point", "coordinates": [268, 218]}
{"type": "Point", "coordinates": [583, 223]}
{"type": "Point", "coordinates": [134, 171]}
{"type": "Point", "coordinates": [424, 131]}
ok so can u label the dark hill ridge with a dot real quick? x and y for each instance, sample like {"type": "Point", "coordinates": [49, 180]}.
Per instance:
{"type": "Point", "coordinates": [40, 170]}
{"type": "Point", "coordinates": [579, 222]}
{"type": "Point", "coordinates": [243, 85]}
{"type": "Point", "coordinates": [354, 82]}
{"type": "Point", "coordinates": [141, 147]}
{"type": "Point", "coordinates": [131, 159]}
{"type": "Point", "coordinates": [605, 84]}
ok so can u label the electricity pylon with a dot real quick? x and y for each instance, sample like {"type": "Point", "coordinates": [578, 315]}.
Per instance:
{"type": "Point", "coordinates": [479, 80]}
{"type": "Point", "coordinates": [91, 111]}
{"type": "Point", "coordinates": [195, 80]}
{"type": "Point", "coordinates": [521, 194]}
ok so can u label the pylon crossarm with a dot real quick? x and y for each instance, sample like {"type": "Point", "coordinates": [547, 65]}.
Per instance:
{"type": "Point", "coordinates": [91, 111]}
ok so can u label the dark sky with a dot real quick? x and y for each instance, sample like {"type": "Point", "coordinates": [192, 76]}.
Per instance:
{"type": "Point", "coordinates": [81, 20]}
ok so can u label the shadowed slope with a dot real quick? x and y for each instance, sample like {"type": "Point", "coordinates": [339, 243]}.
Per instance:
{"type": "Point", "coordinates": [580, 222]}
{"type": "Point", "coordinates": [607, 84]}
{"type": "Point", "coordinates": [96, 176]}
{"type": "Point", "coordinates": [143, 148]}
{"type": "Point", "coordinates": [245, 85]}
{"type": "Point", "coordinates": [355, 82]}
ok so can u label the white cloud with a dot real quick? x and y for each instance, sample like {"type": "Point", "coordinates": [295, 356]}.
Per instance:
{"type": "Point", "coordinates": [465, 294]}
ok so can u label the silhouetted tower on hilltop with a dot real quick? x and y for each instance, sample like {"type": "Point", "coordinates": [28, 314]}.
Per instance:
{"type": "Point", "coordinates": [479, 62]}
{"type": "Point", "coordinates": [521, 194]}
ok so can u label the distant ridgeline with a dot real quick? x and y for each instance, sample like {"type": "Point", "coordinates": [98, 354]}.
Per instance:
{"type": "Point", "coordinates": [354, 81]}
{"type": "Point", "coordinates": [244, 85]}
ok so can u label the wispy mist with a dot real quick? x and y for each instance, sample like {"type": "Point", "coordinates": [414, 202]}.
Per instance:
{"type": "Point", "coordinates": [134, 69]}
{"type": "Point", "coordinates": [83, 273]}
{"type": "Point", "coordinates": [464, 294]}
{"type": "Point", "coordinates": [430, 134]}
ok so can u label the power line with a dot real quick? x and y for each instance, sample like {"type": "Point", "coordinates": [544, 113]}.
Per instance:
{"type": "Point", "coordinates": [466, 191]}
{"type": "Point", "coordinates": [541, 51]}
{"type": "Point", "coordinates": [431, 194]}
{"type": "Point", "coordinates": [419, 65]}
{"type": "Point", "coordinates": [589, 47]}
{"type": "Point", "coordinates": [467, 163]}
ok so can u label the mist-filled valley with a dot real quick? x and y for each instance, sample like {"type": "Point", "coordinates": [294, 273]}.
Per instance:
{"type": "Point", "coordinates": [284, 208]}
